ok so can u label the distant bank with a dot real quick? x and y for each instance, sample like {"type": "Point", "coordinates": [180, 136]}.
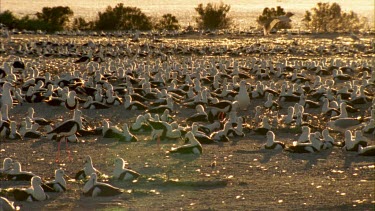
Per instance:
{"type": "Point", "coordinates": [244, 12]}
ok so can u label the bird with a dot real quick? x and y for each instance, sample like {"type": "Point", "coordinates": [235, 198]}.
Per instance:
{"type": "Point", "coordinates": [271, 143]}
{"type": "Point", "coordinates": [71, 101]}
{"type": "Point", "coordinates": [38, 120]}
{"type": "Point", "coordinates": [111, 131]}
{"type": "Point", "coordinates": [200, 116]}
{"type": "Point", "coordinates": [243, 97]}
{"type": "Point", "coordinates": [140, 125]}
{"type": "Point", "coordinates": [6, 205]}
{"type": "Point", "coordinates": [201, 136]}
{"type": "Point", "coordinates": [366, 151]}
{"type": "Point", "coordinates": [6, 96]}
{"type": "Point", "coordinates": [343, 124]}
{"type": "Point", "coordinates": [68, 128]}
{"type": "Point", "coordinates": [56, 185]}
{"type": "Point", "coordinates": [127, 136]}
{"type": "Point", "coordinates": [91, 104]}
{"type": "Point", "coordinates": [7, 166]}
{"type": "Point", "coordinates": [94, 188]}
{"type": "Point", "coordinates": [328, 140]}
{"type": "Point", "coordinates": [88, 169]}
{"type": "Point", "coordinates": [18, 175]}
{"type": "Point", "coordinates": [269, 25]}
{"type": "Point", "coordinates": [309, 147]}
{"type": "Point", "coordinates": [13, 133]}
{"type": "Point", "coordinates": [159, 130]}
{"type": "Point", "coordinates": [120, 172]}
{"type": "Point", "coordinates": [264, 128]}
{"type": "Point", "coordinates": [34, 193]}
{"type": "Point", "coordinates": [221, 135]}
{"type": "Point", "coordinates": [352, 145]}
{"type": "Point", "coordinates": [131, 104]}
{"type": "Point", "coordinates": [192, 147]}
{"type": "Point", "coordinates": [305, 136]}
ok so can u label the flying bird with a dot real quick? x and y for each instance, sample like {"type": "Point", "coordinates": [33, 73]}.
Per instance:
{"type": "Point", "coordinates": [269, 26]}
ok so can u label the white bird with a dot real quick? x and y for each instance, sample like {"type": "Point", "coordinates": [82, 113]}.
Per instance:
{"type": "Point", "coordinates": [34, 193]}
{"type": "Point", "coordinates": [243, 98]}
{"type": "Point", "coordinates": [122, 173]}
{"type": "Point", "coordinates": [94, 188]}
{"type": "Point", "coordinates": [88, 169]}
{"type": "Point", "coordinates": [269, 26]}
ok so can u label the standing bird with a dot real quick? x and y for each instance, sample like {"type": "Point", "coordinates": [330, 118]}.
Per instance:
{"type": "Point", "coordinates": [64, 130]}
{"type": "Point", "coordinates": [6, 98]}
{"type": "Point", "coordinates": [243, 98]}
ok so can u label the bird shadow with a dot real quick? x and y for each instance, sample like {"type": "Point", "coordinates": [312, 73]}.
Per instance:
{"type": "Point", "coordinates": [353, 157]}
{"type": "Point", "coordinates": [268, 154]}
{"type": "Point", "coordinates": [311, 158]}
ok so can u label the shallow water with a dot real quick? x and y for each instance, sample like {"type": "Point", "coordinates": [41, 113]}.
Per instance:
{"type": "Point", "coordinates": [244, 12]}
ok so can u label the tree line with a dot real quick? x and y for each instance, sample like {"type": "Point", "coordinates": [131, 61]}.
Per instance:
{"type": "Point", "coordinates": [325, 17]}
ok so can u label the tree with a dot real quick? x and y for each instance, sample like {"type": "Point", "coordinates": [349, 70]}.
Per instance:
{"type": "Point", "coordinates": [123, 18]}
{"type": "Point", "coordinates": [213, 16]}
{"type": "Point", "coordinates": [33, 24]}
{"type": "Point", "coordinates": [307, 19]}
{"type": "Point", "coordinates": [8, 19]}
{"type": "Point", "coordinates": [81, 24]}
{"type": "Point", "coordinates": [327, 17]}
{"type": "Point", "coordinates": [56, 17]}
{"type": "Point", "coordinates": [168, 22]}
{"type": "Point", "coordinates": [269, 14]}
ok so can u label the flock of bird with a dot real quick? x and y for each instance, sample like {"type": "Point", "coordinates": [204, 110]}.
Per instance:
{"type": "Point", "coordinates": [232, 97]}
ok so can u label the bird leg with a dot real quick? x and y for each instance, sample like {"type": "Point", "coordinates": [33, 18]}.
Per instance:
{"type": "Point", "coordinates": [57, 160]}
{"type": "Point", "coordinates": [158, 142]}
{"type": "Point", "coordinates": [67, 149]}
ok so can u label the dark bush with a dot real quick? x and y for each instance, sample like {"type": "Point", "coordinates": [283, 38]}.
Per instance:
{"type": "Point", "coordinates": [269, 14]}
{"type": "Point", "coordinates": [213, 16]}
{"type": "Point", "coordinates": [8, 19]}
{"type": "Point", "coordinates": [307, 19]}
{"type": "Point", "coordinates": [326, 17]}
{"type": "Point", "coordinates": [81, 24]}
{"type": "Point", "coordinates": [168, 22]}
{"type": "Point", "coordinates": [32, 24]}
{"type": "Point", "coordinates": [123, 18]}
{"type": "Point", "coordinates": [56, 17]}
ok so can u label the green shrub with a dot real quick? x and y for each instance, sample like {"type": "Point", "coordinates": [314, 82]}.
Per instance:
{"type": "Point", "coordinates": [269, 14]}
{"type": "Point", "coordinates": [326, 17]}
{"type": "Point", "coordinates": [123, 18]}
{"type": "Point", "coordinates": [213, 16]}
{"type": "Point", "coordinates": [56, 17]}
{"type": "Point", "coordinates": [168, 22]}
{"type": "Point", "coordinates": [8, 19]}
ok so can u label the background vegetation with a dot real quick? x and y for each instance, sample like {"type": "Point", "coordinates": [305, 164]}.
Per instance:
{"type": "Point", "coordinates": [325, 17]}
{"type": "Point", "coordinates": [269, 14]}
{"type": "Point", "coordinates": [213, 16]}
